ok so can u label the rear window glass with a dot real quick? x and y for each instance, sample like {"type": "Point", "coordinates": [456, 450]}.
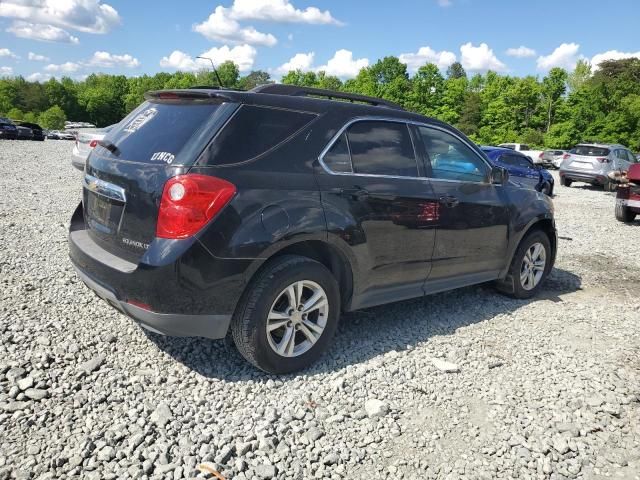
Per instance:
{"type": "Point", "coordinates": [157, 132]}
{"type": "Point", "coordinates": [252, 132]}
{"type": "Point", "coordinates": [382, 148]}
{"type": "Point", "coordinates": [589, 151]}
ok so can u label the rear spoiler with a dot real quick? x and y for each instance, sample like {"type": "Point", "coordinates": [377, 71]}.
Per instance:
{"type": "Point", "coordinates": [214, 96]}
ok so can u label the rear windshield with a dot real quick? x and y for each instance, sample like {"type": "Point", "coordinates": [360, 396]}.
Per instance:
{"type": "Point", "coordinates": [589, 151]}
{"type": "Point", "coordinates": [157, 132]}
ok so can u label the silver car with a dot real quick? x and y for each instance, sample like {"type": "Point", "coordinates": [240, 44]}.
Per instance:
{"type": "Point", "coordinates": [552, 158]}
{"type": "Point", "coordinates": [593, 162]}
{"type": "Point", "coordinates": [85, 142]}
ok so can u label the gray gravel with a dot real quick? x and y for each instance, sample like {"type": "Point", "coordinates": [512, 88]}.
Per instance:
{"type": "Point", "coordinates": [464, 384]}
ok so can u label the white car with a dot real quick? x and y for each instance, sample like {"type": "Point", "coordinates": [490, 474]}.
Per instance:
{"type": "Point", "coordinates": [85, 142]}
{"type": "Point", "coordinates": [534, 155]}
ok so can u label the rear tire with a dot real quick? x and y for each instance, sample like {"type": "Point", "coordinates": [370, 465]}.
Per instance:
{"type": "Point", "coordinates": [521, 281]}
{"type": "Point", "coordinates": [266, 304]}
{"type": "Point", "coordinates": [565, 182]}
{"type": "Point", "coordinates": [610, 186]}
{"type": "Point", "coordinates": [546, 189]}
{"type": "Point", "coordinates": [624, 213]}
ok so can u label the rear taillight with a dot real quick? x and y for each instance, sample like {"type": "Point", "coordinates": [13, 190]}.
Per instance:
{"type": "Point", "coordinates": [603, 159]}
{"type": "Point", "coordinates": [189, 202]}
{"type": "Point", "coordinates": [541, 155]}
{"type": "Point", "coordinates": [93, 143]}
{"type": "Point", "coordinates": [565, 156]}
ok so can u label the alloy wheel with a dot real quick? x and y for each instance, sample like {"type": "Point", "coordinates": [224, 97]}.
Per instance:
{"type": "Point", "coordinates": [297, 318]}
{"type": "Point", "coordinates": [533, 266]}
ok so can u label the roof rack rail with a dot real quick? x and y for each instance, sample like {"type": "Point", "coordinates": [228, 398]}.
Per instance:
{"type": "Point", "coordinates": [298, 91]}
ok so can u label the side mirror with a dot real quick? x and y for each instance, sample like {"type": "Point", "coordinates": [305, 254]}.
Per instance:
{"type": "Point", "coordinates": [499, 176]}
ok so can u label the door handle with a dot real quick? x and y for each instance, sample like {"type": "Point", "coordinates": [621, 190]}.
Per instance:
{"type": "Point", "coordinates": [355, 193]}
{"type": "Point", "coordinates": [449, 201]}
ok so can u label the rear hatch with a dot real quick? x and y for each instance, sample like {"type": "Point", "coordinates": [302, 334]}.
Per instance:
{"type": "Point", "coordinates": [127, 170]}
{"type": "Point", "coordinates": [587, 158]}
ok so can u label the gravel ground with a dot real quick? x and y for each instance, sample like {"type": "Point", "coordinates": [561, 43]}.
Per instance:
{"type": "Point", "coordinates": [467, 384]}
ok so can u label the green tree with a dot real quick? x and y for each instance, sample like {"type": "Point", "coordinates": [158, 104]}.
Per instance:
{"type": "Point", "coordinates": [53, 118]}
{"type": "Point", "coordinates": [456, 70]}
{"type": "Point", "coordinates": [427, 90]}
{"type": "Point", "coordinates": [579, 76]}
{"type": "Point", "coordinates": [253, 79]}
{"type": "Point", "coordinates": [554, 86]}
{"type": "Point", "coordinates": [471, 115]}
{"type": "Point", "coordinates": [15, 114]}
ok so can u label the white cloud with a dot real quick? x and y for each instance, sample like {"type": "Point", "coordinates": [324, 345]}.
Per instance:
{"type": "Point", "coordinates": [221, 27]}
{"type": "Point", "coordinates": [480, 58]}
{"type": "Point", "coordinates": [5, 52]}
{"type": "Point", "coordinates": [427, 55]}
{"type": "Point", "coordinates": [6, 71]}
{"type": "Point", "coordinates": [45, 33]}
{"type": "Point", "coordinates": [611, 55]}
{"type": "Point", "coordinates": [39, 77]}
{"type": "Point", "coordinates": [280, 11]}
{"type": "Point", "coordinates": [90, 16]}
{"type": "Point", "coordinates": [565, 56]}
{"type": "Point", "coordinates": [242, 55]}
{"type": "Point", "coordinates": [38, 58]}
{"type": "Point", "coordinates": [108, 60]}
{"type": "Point", "coordinates": [300, 61]}
{"type": "Point", "coordinates": [67, 67]}
{"type": "Point", "coordinates": [445, 3]}
{"type": "Point", "coordinates": [521, 52]}
{"type": "Point", "coordinates": [343, 65]}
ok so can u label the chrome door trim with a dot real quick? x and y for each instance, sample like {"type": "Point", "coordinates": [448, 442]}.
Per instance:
{"type": "Point", "coordinates": [335, 138]}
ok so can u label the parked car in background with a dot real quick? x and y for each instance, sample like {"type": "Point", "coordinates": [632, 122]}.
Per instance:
{"type": "Point", "coordinates": [552, 158]}
{"type": "Point", "coordinates": [86, 140]}
{"type": "Point", "coordinates": [534, 155]}
{"type": "Point", "coordinates": [267, 213]}
{"type": "Point", "coordinates": [594, 162]}
{"type": "Point", "coordinates": [36, 130]}
{"type": "Point", "coordinates": [24, 133]}
{"type": "Point", "coordinates": [67, 135]}
{"type": "Point", "coordinates": [8, 129]}
{"type": "Point", "coordinates": [521, 169]}
{"type": "Point", "coordinates": [53, 135]}
{"type": "Point", "coordinates": [628, 196]}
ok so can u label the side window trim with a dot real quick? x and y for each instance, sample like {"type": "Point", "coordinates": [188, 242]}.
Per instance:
{"type": "Point", "coordinates": [343, 131]}
{"type": "Point", "coordinates": [409, 123]}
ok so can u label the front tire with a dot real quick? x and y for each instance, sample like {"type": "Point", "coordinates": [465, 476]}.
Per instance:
{"type": "Point", "coordinates": [565, 182]}
{"type": "Point", "coordinates": [288, 315]}
{"type": "Point", "coordinates": [546, 189]}
{"type": "Point", "coordinates": [529, 267]}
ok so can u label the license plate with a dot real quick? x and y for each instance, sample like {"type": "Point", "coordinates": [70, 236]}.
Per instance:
{"type": "Point", "coordinates": [99, 209]}
{"type": "Point", "coordinates": [582, 165]}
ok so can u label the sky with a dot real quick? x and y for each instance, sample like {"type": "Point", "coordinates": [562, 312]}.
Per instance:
{"type": "Point", "coordinates": [44, 38]}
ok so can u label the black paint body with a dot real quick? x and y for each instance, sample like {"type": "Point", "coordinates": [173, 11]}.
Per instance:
{"type": "Point", "coordinates": [387, 239]}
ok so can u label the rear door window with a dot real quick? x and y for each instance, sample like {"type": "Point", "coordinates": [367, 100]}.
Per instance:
{"type": "Point", "coordinates": [382, 148]}
{"type": "Point", "coordinates": [157, 132]}
{"type": "Point", "coordinates": [252, 132]}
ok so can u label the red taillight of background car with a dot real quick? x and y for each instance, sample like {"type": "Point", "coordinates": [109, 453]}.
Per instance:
{"type": "Point", "coordinates": [189, 202]}
{"type": "Point", "coordinates": [565, 156]}
{"type": "Point", "coordinates": [541, 155]}
{"type": "Point", "coordinates": [603, 159]}
{"type": "Point", "coordinates": [93, 143]}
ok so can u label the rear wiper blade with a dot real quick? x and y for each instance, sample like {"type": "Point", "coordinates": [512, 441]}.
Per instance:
{"type": "Point", "coordinates": [109, 146]}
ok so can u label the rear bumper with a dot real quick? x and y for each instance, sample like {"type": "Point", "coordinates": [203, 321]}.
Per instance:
{"type": "Point", "coordinates": [177, 288]}
{"type": "Point", "coordinates": [172, 324]}
{"type": "Point", "coordinates": [587, 177]}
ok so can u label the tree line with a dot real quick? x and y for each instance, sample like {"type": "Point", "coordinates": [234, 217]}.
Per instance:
{"type": "Point", "coordinates": [555, 111]}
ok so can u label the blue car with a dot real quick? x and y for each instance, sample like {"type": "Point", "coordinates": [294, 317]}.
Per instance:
{"type": "Point", "coordinates": [521, 169]}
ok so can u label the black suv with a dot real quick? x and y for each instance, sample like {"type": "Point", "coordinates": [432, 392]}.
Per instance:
{"type": "Point", "coordinates": [270, 212]}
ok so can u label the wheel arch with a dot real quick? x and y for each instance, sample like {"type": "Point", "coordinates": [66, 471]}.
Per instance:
{"type": "Point", "coordinates": [544, 223]}
{"type": "Point", "coordinates": [323, 252]}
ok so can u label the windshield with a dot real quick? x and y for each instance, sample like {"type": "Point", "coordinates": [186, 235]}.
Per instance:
{"type": "Point", "coordinates": [590, 151]}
